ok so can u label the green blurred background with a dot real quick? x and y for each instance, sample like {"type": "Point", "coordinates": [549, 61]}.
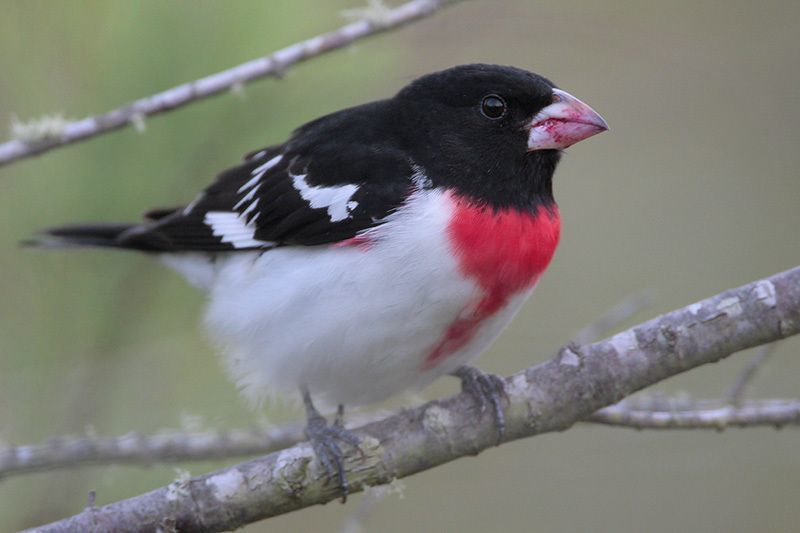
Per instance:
{"type": "Point", "coordinates": [694, 190]}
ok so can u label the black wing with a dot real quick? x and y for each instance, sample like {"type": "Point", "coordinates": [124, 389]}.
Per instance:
{"type": "Point", "coordinates": [284, 195]}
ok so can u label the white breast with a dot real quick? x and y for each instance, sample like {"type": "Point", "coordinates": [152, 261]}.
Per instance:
{"type": "Point", "coordinates": [352, 323]}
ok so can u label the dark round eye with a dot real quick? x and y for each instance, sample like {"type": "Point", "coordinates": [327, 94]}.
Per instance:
{"type": "Point", "coordinates": [493, 106]}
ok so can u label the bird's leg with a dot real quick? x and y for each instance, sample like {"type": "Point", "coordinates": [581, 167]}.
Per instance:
{"type": "Point", "coordinates": [487, 390]}
{"type": "Point", "coordinates": [338, 421]}
{"type": "Point", "coordinates": [325, 440]}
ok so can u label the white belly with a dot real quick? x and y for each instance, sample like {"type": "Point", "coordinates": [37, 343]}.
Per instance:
{"type": "Point", "coordinates": [353, 324]}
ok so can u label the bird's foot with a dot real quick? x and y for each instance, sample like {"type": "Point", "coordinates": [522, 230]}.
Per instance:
{"type": "Point", "coordinates": [325, 439]}
{"type": "Point", "coordinates": [487, 390]}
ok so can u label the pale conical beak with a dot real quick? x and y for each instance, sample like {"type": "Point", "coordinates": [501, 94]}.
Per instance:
{"type": "Point", "coordinates": [563, 123]}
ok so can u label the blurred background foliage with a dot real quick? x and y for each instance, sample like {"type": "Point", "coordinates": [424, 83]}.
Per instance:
{"type": "Point", "coordinates": [694, 190]}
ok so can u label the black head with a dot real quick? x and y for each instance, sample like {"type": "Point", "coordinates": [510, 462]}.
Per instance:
{"type": "Point", "coordinates": [473, 128]}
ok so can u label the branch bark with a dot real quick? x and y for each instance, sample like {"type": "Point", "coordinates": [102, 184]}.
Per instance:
{"type": "Point", "coordinates": [549, 397]}
{"type": "Point", "coordinates": [136, 448]}
{"type": "Point", "coordinates": [702, 415]}
{"type": "Point", "coordinates": [176, 446]}
{"type": "Point", "coordinates": [274, 64]}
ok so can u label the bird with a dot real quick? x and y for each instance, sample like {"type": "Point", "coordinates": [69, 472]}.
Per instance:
{"type": "Point", "coordinates": [377, 249]}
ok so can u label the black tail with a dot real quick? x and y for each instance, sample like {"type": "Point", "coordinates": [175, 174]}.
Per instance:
{"type": "Point", "coordinates": [102, 235]}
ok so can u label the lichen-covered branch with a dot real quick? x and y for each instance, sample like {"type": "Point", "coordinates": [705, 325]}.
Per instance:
{"type": "Point", "coordinates": [703, 415]}
{"type": "Point", "coordinates": [275, 64]}
{"type": "Point", "coordinates": [175, 446]}
{"type": "Point", "coordinates": [136, 448]}
{"type": "Point", "coordinates": [551, 396]}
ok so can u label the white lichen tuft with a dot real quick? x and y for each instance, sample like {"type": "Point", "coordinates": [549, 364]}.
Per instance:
{"type": "Point", "coordinates": [376, 11]}
{"type": "Point", "coordinates": [624, 342]}
{"type": "Point", "coordinates": [227, 485]}
{"type": "Point", "coordinates": [569, 358]}
{"type": "Point", "coordinates": [138, 123]}
{"type": "Point", "coordinates": [237, 90]}
{"type": "Point", "coordinates": [517, 386]}
{"type": "Point", "coordinates": [436, 419]}
{"type": "Point", "coordinates": [44, 128]}
{"type": "Point", "coordinates": [179, 489]}
{"type": "Point", "coordinates": [731, 306]}
{"type": "Point", "coordinates": [694, 308]}
{"type": "Point", "coordinates": [765, 292]}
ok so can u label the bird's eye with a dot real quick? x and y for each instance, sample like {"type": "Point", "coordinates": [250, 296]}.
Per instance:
{"type": "Point", "coordinates": [493, 106]}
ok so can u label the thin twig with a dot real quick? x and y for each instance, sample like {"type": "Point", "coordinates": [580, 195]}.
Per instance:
{"type": "Point", "coordinates": [615, 317]}
{"type": "Point", "coordinates": [135, 448]}
{"type": "Point", "coordinates": [274, 64]}
{"type": "Point", "coordinates": [166, 446]}
{"type": "Point", "coordinates": [175, 446]}
{"type": "Point", "coordinates": [552, 396]}
{"type": "Point", "coordinates": [736, 394]}
{"type": "Point", "coordinates": [715, 415]}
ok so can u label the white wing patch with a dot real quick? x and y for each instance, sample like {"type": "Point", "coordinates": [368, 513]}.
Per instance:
{"type": "Point", "coordinates": [258, 172]}
{"type": "Point", "coordinates": [188, 209]}
{"type": "Point", "coordinates": [233, 228]}
{"type": "Point", "coordinates": [336, 199]}
{"type": "Point", "coordinates": [247, 197]}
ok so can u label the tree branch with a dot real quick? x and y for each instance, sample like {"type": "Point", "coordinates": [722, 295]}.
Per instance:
{"type": "Point", "coordinates": [175, 446]}
{"type": "Point", "coordinates": [274, 64]}
{"type": "Point", "coordinates": [135, 448]}
{"type": "Point", "coordinates": [549, 397]}
{"type": "Point", "coordinates": [736, 394]}
{"type": "Point", "coordinates": [702, 415]}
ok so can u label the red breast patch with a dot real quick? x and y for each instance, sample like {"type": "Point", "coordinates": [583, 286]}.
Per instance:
{"type": "Point", "coordinates": [505, 251]}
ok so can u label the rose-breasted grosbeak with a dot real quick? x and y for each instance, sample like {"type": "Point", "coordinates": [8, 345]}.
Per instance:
{"type": "Point", "coordinates": [380, 247]}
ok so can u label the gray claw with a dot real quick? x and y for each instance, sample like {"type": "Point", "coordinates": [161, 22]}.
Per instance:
{"type": "Point", "coordinates": [325, 441]}
{"type": "Point", "coordinates": [486, 389]}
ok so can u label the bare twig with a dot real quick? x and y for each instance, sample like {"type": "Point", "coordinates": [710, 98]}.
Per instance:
{"type": "Point", "coordinates": [614, 317]}
{"type": "Point", "coordinates": [274, 64]}
{"type": "Point", "coordinates": [135, 448]}
{"type": "Point", "coordinates": [175, 446]}
{"type": "Point", "coordinates": [168, 446]}
{"type": "Point", "coordinates": [736, 394]}
{"type": "Point", "coordinates": [549, 397]}
{"type": "Point", "coordinates": [703, 415]}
